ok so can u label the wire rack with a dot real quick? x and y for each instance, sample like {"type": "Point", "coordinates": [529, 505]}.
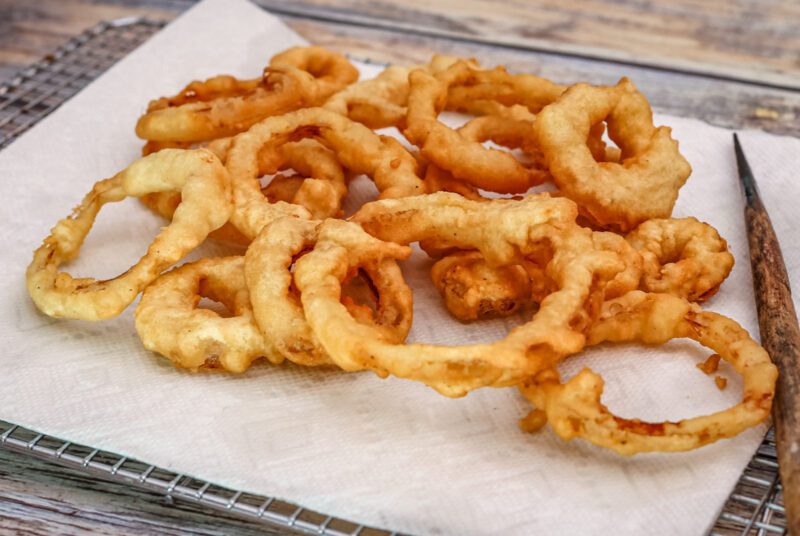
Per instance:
{"type": "Point", "coordinates": [755, 506]}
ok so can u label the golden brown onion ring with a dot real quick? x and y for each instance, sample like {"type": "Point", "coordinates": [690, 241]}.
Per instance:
{"type": "Point", "coordinates": [224, 106]}
{"type": "Point", "coordinates": [682, 256]}
{"type": "Point", "coordinates": [466, 160]}
{"type": "Point", "coordinates": [360, 150]}
{"type": "Point", "coordinates": [330, 70]}
{"type": "Point", "coordinates": [474, 289]}
{"type": "Point", "coordinates": [380, 102]}
{"type": "Point", "coordinates": [574, 408]}
{"type": "Point", "coordinates": [504, 232]}
{"type": "Point", "coordinates": [619, 196]}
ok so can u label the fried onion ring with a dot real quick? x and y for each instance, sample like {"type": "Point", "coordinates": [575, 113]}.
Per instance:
{"type": "Point", "coordinates": [320, 189]}
{"type": "Point", "coordinates": [360, 150]}
{"type": "Point", "coordinates": [535, 224]}
{"type": "Point", "coordinates": [466, 160]}
{"type": "Point", "coordinates": [224, 106]}
{"type": "Point", "coordinates": [277, 308]}
{"type": "Point", "coordinates": [205, 187]}
{"type": "Point", "coordinates": [380, 102]}
{"type": "Point", "coordinates": [170, 323]}
{"type": "Point", "coordinates": [619, 196]}
{"type": "Point", "coordinates": [474, 289]}
{"type": "Point", "coordinates": [684, 257]}
{"type": "Point", "coordinates": [330, 70]}
{"type": "Point", "coordinates": [574, 408]}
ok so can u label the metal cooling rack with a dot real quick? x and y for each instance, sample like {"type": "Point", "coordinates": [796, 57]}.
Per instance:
{"type": "Point", "coordinates": [755, 507]}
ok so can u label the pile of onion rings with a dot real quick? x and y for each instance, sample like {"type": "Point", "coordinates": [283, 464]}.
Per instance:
{"type": "Point", "coordinates": [264, 166]}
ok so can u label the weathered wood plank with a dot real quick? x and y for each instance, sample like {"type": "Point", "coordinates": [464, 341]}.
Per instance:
{"type": "Point", "coordinates": [720, 102]}
{"type": "Point", "coordinates": [41, 498]}
{"type": "Point", "coordinates": [743, 39]}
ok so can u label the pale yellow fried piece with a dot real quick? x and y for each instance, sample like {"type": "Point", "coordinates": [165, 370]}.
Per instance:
{"type": "Point", "coordinates": [205, 187]}
{"type": "Point", "coordinates": [278, 309]}
{"type": "Point", "coordinates": [170, 323]}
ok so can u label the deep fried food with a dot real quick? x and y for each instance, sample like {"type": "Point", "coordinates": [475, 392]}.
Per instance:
{"type": "Point", "coordinates": [204, 184]}
{"type": "Point", "coordinates": [277, 306]}
{"type": "Point", "coordinates": [381, 101]}
{"type": "Point", "coordinates": [329, 70]}
{"type": "Point", "coordinates": [318, 290]}
{"type": "Point", "coordinates": [466, 160]}
{"type": "Point", "coordinates": [360, 150]}
{"type": "Point", "coordinates": [533, 225]}
{"type": "Point", "coordinates": [619, 196]}
{"type": "Point", "coordinates": [574, 408]}
{"type": "Point", "coordinates": [710, 365]}
{"type": "Point", "coordinates": [224, 106]}
{"type": "Point", "coordinates": [684, 257]}
{"type": "Point", "coordinates": [472, 289]}
{"type": "Point", "coordinates": [169, 322]}
{"type": "Point", "coordinates": [320, 187]}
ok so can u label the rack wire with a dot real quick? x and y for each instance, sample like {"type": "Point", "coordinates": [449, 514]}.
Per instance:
{"type": "Point", "coordinates": [755, 506]}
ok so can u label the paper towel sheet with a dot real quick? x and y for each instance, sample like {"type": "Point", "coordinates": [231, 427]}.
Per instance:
{"type": "Point", "coordinates": [389, 453]}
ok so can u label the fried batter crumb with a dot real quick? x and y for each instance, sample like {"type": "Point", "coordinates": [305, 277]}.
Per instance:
{"type": "Point", "coordinates": [710, 365]}
{"type": "Point", "coordinates": [534, 422]}
{"type": "Point", "coordinates": [721, 382]}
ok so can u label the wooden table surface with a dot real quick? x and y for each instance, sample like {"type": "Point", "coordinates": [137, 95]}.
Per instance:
{"type": "Point", "coordinates": [734, 63]}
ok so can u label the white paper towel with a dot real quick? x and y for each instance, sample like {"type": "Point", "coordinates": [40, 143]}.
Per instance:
{"type": "Point", "coordinates": [389, 453]}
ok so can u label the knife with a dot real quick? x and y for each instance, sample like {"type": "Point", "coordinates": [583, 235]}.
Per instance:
{"type": "Point", "coordinates": [780, 335]}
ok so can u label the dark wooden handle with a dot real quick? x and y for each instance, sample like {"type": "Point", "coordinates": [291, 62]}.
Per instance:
{"type": "Point", "coordinates": [780, 335]}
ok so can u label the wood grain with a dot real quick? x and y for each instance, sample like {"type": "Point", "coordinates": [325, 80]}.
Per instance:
{"type": "Point", "coordinates": [720, 102]}
{"type": "Point", "coordinates": [743, 39]}
{"type": "Point", "coordinates": [780, 336]}
{"type": "Point", "coordinates": [40, 498]}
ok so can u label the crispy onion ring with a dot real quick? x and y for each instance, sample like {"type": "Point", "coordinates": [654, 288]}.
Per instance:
{"type": "Point", "coordinates": [380, 102]}
{"type": "Point", "coordinates": [493, 91]}
{"type": "Point", "coordinates": [574, 408]}
{"type": "Point", "coordinates": [509, 127]}
{"type": "Point", "coordinates": [473, 289]}
{"type": "Point", "coordinates": [224, 106]}
{"type": "Point", "coordinates": [320, 186]}
{"type": "Point", "coordinates": [620, 196]}
{"type": "Point", "coordinates": [204, 184]}
{"type": "Point", "coordinates": [330, 70]}
{"type": "Point", "coordinates": [169, 322]}
{"type": "Point", "coordinates": [360, 150]}
{"type": "Point", "coordinates": [466, 160]}
{"type": "Point", "coordinates": [517, 228]}
{"type": "Point", "coordinates": [277, 308]}
{"type": "Point", "coordinates": [684, 257]}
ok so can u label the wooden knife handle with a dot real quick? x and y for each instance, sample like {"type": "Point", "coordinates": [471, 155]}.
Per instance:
{"type": "Point", "coordinates": [780, 336]}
